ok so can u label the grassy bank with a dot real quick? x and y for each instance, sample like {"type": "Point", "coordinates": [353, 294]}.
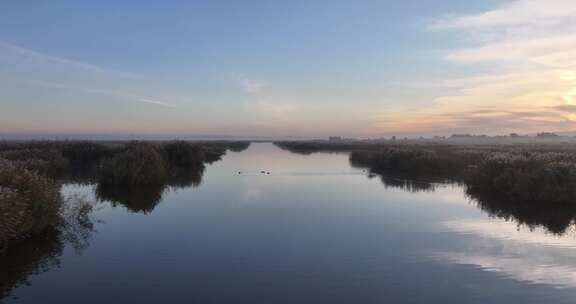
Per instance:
{"type": "Point", "coordinates": [518, 174]}
{"type": "Point", "coordinates": [31, 174]}
{"type": "Point", "coordinates": [136, 164]}
{"type": "Point", "coordinates": [41, 251]}
{"type": "Point", "coordinates": [29, 202]}
{"type": "Point", "coordinates": [78, 160]}
{"type": "Point", "coordinates": [413, 162]}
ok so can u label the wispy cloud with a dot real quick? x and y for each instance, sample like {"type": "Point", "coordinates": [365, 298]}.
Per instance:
{"type": "Point", "coordinates": [44, 70]}
{"type": "Point", "coordinates": [518, 13]}
{"type": "Point", "coordinates": [477, 120]}
{"type": "Point", "coordinates": [112, 93]}
{"type": "Point", "coordinates": [151, 101]}
{"type": "Point", "coordinates": [550, 51]}
{"type": "Point", "coordinates": [28, 54]}
{"type": "Point", "coordinates": [265, 108]}
{"type": "Point", "coordinates": [251, 86]}
{"type": "Point", "coordinates": [528, 48]}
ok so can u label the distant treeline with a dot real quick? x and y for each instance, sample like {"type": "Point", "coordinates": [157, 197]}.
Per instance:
{"type": "Point", "coordinates": [517, 177]}
{"type": "Point", "coordinates": [31, 174]}
{"type": "Point", "coordinates": [309, 147]}
{"type": "Point", "coordinates": [54, 158]}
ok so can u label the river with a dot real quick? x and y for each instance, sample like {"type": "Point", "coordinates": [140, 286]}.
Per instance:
{"type": "Point", "coordinates": [269, 226]}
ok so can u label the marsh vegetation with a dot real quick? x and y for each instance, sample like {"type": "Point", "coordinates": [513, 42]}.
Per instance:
{"type": "Point", "coordinates": [37, 222]}
{"type": "Point", "coordinates": [38, 244]}
{"type": "Point", "coordinates": [31, 174]}
{"type": "Point", "coordinates": [181, 236]}
{"type": "Point", "coordinates": [533, 183]}
{"type": "Point", "coordinates": [29, 202]}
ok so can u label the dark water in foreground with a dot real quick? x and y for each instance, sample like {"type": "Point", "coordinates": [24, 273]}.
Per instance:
{"type": "Point", "coordinates": [314, 230]}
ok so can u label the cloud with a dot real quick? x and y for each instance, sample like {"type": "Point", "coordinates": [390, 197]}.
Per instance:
{"type": "Point", "coordinates": [566, 108]}
{"type": "Point", "coordinates": [136, 98]}
{"type": "Point", "coordinates": [38, 69]}
{"type": "Point", "coordinates": [263, 108]}
{"type": "Point", "coordinates": [38, 57]}
{"type": "Point", "coordinates": [513, 14]}
{"type": "Point", "coordinates": [555, 51]}
{"type": "Point", "coordinates": [476, 121]}
{"type": "Point", "coordinates": [151, 101]}
{"type": "Point", "coordinates": [252, 86]}
{"type": "Point", "coordinates": [527, 52]}
{"type": "Point", "coordinates": [116, 94]}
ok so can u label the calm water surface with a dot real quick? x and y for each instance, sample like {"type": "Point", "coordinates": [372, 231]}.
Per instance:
{"type": "Point", "coordinates": [314, 230]}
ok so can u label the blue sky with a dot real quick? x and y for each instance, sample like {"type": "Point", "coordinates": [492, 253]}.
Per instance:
{"type": "Point", "coordinates": [276, 68]}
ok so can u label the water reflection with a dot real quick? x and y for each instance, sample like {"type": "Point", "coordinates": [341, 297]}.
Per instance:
{"type": "Point", "coordinates": [21, 260]}
{"type": "Point", "coordinates": [42, 252]}
{"type": "Point", "coordinates": [555, 218]}
{"type": "Point", "coordinates": [507, 231]}
{"type": "Point", "coordinates": [136, 199]}
{"type": "Point", "coordinates": [532, 256]}
{"type": "Point", "coordinates": [410, 185]}
{"type": "Point", "coordinates": [29, 257]}
{"type": "Point", "coordinates": [185, 178]}
{"type": "Point", "coordinates": [79, 175]}
{"type": "Point", "coordinates": [527, 242]}
{"type": "Point", "coordinates": [312, 231]}
{"type": "Point", "coordinates": [144, 199]}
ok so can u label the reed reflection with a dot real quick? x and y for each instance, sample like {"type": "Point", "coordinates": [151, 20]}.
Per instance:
{"type": "Point", "coordinates": [556, 218]}
{"type": "Point", "coordinates": [528, 255]}
{"type": "Point", "coordinates": [134, 199]}
{"type": "Point", "coordinates": [22, 259]}
{"type": "Point", "coordinates": [406, 184]}
{"type": "Point", "coordinates": [32, 256]}
{"type": "Point", "coordinates": [144, 199]}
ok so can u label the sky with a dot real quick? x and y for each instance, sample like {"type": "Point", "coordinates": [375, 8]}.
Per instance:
{"type": "Point", "coordinates": [361, 68]}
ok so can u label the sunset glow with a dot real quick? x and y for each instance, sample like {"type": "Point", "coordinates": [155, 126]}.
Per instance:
{"type": "Point", "coordinates": [375, 68]}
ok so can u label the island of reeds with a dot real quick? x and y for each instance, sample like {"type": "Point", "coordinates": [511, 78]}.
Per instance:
{"type": "Point", "coordinates": [31, 175]}
{"type": "Point", "coordinates": [534, 183]}
{"type": "Point", "coordinates": [36, 221]}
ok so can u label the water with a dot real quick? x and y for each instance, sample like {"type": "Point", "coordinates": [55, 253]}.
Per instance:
{"type": "Point", "coordinates": [314, 230]}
